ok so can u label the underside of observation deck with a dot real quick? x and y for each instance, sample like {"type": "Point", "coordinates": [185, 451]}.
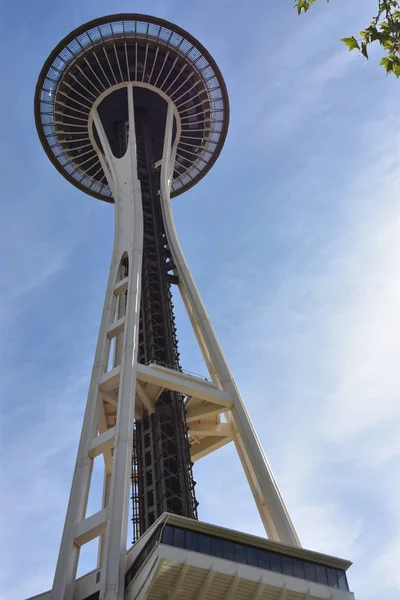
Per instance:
{"type": "Point", "coordinates": [145, 52]}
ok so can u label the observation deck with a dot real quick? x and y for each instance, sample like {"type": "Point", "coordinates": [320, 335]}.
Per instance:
{"type": "Point", "coordinates": [163, 63]}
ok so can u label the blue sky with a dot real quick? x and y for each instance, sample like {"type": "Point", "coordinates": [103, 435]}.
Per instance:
{"type": "Point", "coordinates": [294, 242]}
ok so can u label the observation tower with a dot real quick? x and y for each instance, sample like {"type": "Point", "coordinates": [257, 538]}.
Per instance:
{"type": "Point", "coordinates": [133, 110]}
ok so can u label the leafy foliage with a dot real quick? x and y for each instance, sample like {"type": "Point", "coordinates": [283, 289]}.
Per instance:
{"type": "Point", "coordinates": [384, 29]}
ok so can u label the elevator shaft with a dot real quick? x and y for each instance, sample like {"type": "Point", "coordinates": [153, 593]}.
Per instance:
{"type": "Point", "coordinates": [162, 479]}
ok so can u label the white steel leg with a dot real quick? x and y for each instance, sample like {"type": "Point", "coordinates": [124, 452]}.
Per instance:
{"type": "Point", "coordinates": [112, 521]}
{"type": "Point", "coordinates": [269, 501]}
{"type": "Point", "coordinates": [67, 563]}
{"type": "Point", "coordinates": [129, 232]}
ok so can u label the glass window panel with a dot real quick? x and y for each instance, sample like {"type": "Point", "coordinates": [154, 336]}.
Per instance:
{"type": "Point", "coordinates": [168, 535]}
{"type": "Point", "coordinates": [342, 580]}
{"type": "Point", "coordinates": [321, 574]}
{"type": "Point", "coordinates": [216, 547]}
{"type": "Point", "coordinates": [309, 569]}
{"type": "Point", "coordinates": [298, 568]}
{"type": "Point", "coordinates": [240, 553]}
{"type": "Point", "coordinates": [276, 562]}
{"type": "Point", "coordinates": [332, 577]}
{"type": "Point", "coordinates": [228, 550]}
{"type": "Point", "coordinates": [252, 556]}
{"type": "Point", "coordinates": [191, 540]}
{"type": "Point", "coordinates": [287, 565]}
{"type": "Point", "coordinates": [179, 537]}
{"type": "Point", "coordinates": [263, 559]}
{"type": "Point", "coordinates": [204, 543]}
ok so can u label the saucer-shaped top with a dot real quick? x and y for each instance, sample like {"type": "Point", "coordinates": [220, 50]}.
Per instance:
{"type": "Point", "coordinates": [154, 56]}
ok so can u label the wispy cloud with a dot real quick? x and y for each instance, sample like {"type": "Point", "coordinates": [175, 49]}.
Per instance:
{"type": "Point", "coordinates": [33, 503]}
{"type": "Point", "coordinates": [31, 254]}
{"type": "Point", "coordinates": [295, 247]}
{"type": "Point", "coordinates": [333, 326]}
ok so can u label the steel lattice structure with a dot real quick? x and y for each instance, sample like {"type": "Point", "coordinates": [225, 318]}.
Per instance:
{"type": "Point", "coordinates": [162, 476]}
{"type": "Point", "coordinates": [133, 110]}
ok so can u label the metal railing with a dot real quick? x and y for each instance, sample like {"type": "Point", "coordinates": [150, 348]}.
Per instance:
{"type": "Point", "coordinates": [180, 370]}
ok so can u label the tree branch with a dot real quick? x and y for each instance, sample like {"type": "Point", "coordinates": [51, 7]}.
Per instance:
{"type": "Point", "coordinates": [384, 29]}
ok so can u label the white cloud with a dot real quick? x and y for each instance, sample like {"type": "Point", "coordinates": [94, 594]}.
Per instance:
{"type": "Point", "coordinates": [316, 354]}
{"type": "Point", "coordinates": [38, 471]}
{"type": "Point", "coordinates": [30, 257]}
{"type": "Point", "coordinates": [329, 410]}
{"type": "Point", "coordinates": [337, 440]}
{"type": "Point", "coordinates": [280, 119]}
{"type": "Point", "coordinates": [387, 566]}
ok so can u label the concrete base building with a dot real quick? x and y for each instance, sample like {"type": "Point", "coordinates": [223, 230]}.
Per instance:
{"type": "Point", "coordinates": [184, 559]}
{"type": "Point", "coordinates": [134, 111]}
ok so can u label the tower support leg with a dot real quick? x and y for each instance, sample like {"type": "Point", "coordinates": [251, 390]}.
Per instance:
{"type": "Point", "coordinates": [120, 322]}
{"type": "Point", "coordinates": [272, 509]}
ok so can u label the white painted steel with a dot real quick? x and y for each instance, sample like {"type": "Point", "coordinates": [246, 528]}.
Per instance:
{"type": "Point", "coordinates": [120, 325]}
{"type": "Point", "coordinates": [138, 84]}
{"type": "Point", "coordinates": [273, 511]}
{"type": "Point", "coordinates": [129, 221]}
{"type": "Point", "coordinates": [123, 179]}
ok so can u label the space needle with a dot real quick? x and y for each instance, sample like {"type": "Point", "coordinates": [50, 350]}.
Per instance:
{"type": "Point", "coordinates": [134, 111]}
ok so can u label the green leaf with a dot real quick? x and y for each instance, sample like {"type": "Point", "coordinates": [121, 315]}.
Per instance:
{"type": "Point", "coordinates": [364, 50]}
{"type": "Point", "coordinates": [396, 66]}
{"type": "Point", "coordinates": [371, 33]}
{"type": "Point", "coordinates": [351, 43]}
{"type": "Point", "coordinates": [389, 66]}
{"type": "Point", "coordinates": [384, 62]}
{"type": "Point", "coordinates": [303, 5]}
